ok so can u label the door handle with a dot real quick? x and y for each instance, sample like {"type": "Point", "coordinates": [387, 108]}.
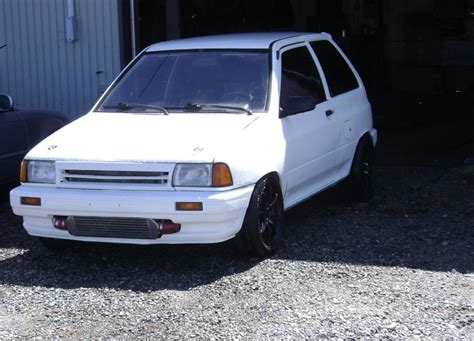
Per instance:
{"type": "Point", "coordinates": [329, 112]}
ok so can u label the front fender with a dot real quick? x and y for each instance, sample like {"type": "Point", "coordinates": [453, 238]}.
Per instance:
{"type": "Point", "coordinates": [256, 152]}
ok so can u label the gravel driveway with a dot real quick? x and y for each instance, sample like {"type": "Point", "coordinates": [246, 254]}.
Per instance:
{"type": "Point", "coordinates": [399, 266]}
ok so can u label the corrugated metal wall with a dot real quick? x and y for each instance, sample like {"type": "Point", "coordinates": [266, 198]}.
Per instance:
{"type": "Point", "coordinates": [41, 69]}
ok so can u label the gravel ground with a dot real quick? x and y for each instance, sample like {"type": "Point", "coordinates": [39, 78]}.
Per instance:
{"type": "Point", "coordinates": [399, 266]}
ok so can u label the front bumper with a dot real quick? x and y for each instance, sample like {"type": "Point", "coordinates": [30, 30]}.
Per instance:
{"type": "Point", "coordinates": [221, 218]}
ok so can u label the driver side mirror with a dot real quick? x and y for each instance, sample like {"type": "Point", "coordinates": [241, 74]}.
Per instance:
{"type": "Point", "coordinates": [298, 104]}
{"type": "Point", "coordinates": [6, 103]}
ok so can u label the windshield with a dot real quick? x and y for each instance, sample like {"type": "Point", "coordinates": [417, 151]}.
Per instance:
{"type": "Point", "coordinates": [180, 81]}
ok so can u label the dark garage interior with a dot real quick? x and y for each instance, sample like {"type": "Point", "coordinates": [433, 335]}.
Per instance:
{"type": "Point", "coordinates": [416, 59]}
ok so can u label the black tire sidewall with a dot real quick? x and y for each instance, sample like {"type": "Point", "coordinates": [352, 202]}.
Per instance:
{"type": "Point", "coordinates": [360, 191]}
{"type": "Point", "coordinates": [250, 235]}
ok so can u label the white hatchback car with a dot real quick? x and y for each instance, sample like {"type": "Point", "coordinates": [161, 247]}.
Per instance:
{"type": "Point", "coordinates": [203, 140]}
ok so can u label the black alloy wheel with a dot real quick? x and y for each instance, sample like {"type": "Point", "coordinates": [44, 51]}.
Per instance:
{"type": "Point", "coordinates": [263, 224]}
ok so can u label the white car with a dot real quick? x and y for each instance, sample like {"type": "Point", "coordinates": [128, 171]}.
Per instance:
{"type": "Point", "coordinates": [203, 140]}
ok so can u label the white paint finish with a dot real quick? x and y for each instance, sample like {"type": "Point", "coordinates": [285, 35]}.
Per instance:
{"type": "Point", "coordinates": [312, 153]}
{"type": "Point", "coordinates": [347, 130]}
{"type": "Point", "coordinates": [312, 140]}
{"type": "Point", "coordinates": [355, 115]}
{"type": "Point", "coordinates": [220, 219]}
{"type": "Point", "coordinates": [309, 152]}
{"type": "Point", "coordinates": [118, 137]}
{"type": "Point", "coordinates": [229, 41]}
{"type": "Point", "coordinates": [41, 69]}
{"type": "Point", "coordinates": [355, 111]}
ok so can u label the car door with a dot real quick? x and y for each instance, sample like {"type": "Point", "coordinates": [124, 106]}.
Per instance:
{"type": "Point", "coordinates": [311, 136]}
{"type": "Point", "coordinates": [13, 144]}
{"type": "Point", "coordinates": [347, 97]}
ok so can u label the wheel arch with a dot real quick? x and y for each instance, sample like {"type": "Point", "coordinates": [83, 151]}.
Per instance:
{"type": "Point", "coordinates": [364, 137]}
{"type": "Point", "coordinates": [273, 174]}
{"type": "Point", "coordinates": [250, 239]}
{"type": "Point", "coordinates": [363, 190]}
{"type": "Point", "coordinates": [367, 136]}
{"type": "Point", "coordinates": [278, 178]}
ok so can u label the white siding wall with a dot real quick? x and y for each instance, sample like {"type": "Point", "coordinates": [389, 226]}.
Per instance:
{"type": "Point", "coordinates": [41, 69]}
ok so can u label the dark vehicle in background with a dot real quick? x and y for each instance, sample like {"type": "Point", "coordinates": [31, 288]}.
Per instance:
{"type": "Point", "coordinates": [21, 130]}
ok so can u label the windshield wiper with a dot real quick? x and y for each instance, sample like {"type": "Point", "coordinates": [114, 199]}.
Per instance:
{"type": "Point", "coordinates": [198, 106]}
{"type": "Point", "coordinates": [126, 106]}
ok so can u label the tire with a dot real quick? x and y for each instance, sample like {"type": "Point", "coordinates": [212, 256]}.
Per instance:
{"type": "Point", "coordinates": [55, 244]}
{"type": "Point", "coordinates": [362, 175]}
{"type": "Point", "coordinates": [262, 229]}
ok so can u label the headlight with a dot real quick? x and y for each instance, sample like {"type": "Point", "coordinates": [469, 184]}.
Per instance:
{"type": "Point", "coordinates": [192, 175]}
{"type": "Point", "coordinates": [40, 171]}
{"type": "Point", "coordinates": [202, 175]}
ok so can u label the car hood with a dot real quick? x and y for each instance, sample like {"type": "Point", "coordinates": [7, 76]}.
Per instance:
{"type": "Point", "coordinates": [193, 137]}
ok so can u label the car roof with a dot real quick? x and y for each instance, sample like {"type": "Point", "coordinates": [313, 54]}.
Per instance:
{"type": "Point", "coordinates": [230, 41]}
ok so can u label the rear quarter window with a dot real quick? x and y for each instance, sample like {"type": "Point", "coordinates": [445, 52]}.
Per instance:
{"type": "Point", "coordinates": [339, 75]}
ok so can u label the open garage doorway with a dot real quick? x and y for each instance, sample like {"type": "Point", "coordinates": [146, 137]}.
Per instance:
{"type": "Point", "coordinates": [356, 25]}
{"type": "Point", "coordinates": [416, 58]}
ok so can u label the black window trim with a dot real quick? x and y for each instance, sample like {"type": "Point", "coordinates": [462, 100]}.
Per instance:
{"type": "Point", "coordinates": [349, 64]}
{"type": "Point", "coordinates": [279, 52]}
{"type": "Point", "coordinates": [289, 47]}
{"type": "Point", "coordinates": [319, 67]}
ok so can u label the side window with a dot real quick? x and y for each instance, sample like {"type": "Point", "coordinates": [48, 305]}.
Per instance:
{"type": "Point", "coordinates": [338, 74]}
{"type": "Point", "coordinates": [300, 78]}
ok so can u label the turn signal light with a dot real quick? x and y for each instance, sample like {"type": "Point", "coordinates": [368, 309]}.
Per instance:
{"type": "Point", "coordinates": [30, 201]}
{"type": "Point", "coordinates": [23, 174]}
{"type": "Point", "coordinates": [221, 175]}
{"type": "Point", "coordinates": [189, 206]}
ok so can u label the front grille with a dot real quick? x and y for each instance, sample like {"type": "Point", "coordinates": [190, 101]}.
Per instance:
{"type": "Point", "coordinates": [134, 228]}
{"type": "Point", "coordinates": [118, 177]}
